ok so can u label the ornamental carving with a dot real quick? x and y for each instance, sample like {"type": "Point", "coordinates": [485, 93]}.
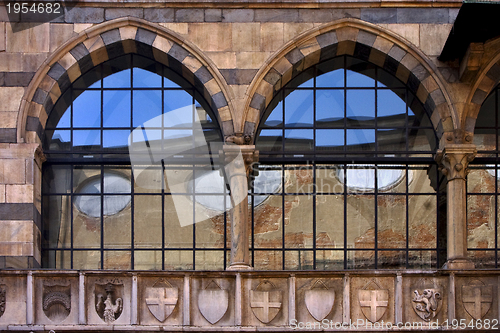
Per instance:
{"type": "Point", "coordinates": [3, 299]}
{"type": "Point", "coordinates": [161, 299]}
{"type": "Point", "coordinates": [109, 301]}
{"type": "Point", "coordinates": [477, 298]}
{"type": "Point", "coordinates": [266, 302]}
{"type": "Point", "coordinates": [56, 301]}
{"type": "Point", "coordinates": [373, 301]}
{"type": "Point", "coordinates": [454, 160]}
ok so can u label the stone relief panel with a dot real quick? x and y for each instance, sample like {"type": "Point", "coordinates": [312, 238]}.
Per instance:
{"type": "Point", "coordinates": [12, 299]}
{"type": "Point", "coordinates": [56, 300]}
{"type": "Point", "coordinates": [372, 299]}
{"type": "Point", "coordinates": [477, 298]}
{"type": "Point", "coordinates": [160, 301]}
{"type": "Point", "coordinates": [108, 300]}
{"type": "Point", "coordinates": [265, 302]}
{"type": "Point", "coordinates": [212, 301]}
{"type": "Point", "coordinates": [425, 299]}
{"type": "Point", "coordinates": [319, 298]}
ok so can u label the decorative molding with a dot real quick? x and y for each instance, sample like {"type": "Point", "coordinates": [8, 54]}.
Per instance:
{"type": "Point", "coordinates": [56, 301]}
{"type": "Point", "coordinates": [373, 301]}
{"type": "Point", "coordinates": [266, 302]}
{"type": "Point", "coordinates": [213, 302]}
{"type": "Point", "coordinates": [454, 160]}
{"type": "Point", "coordinates": [109, 301]}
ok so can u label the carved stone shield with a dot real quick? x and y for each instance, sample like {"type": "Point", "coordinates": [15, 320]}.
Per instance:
{"type": "Point", "coordinates": [161, 299]}
{"type": "Point", "coordinates": [3, 299]}
{"type": "Point", "coordinates": [427, 300]}
{"type": "Point", "coordinates": [477, 298]}
{"type": "Point", "coordinates": [213, 302]}
{"type": "Point", "coordinates": [57, 301]}
{"type": "Point", "coordinates": [373, 301]}
{"type": "Point", "coordinates": [266, 302]}
{"type": "Point", "coordinates": [109, 301]}
{"type": "Point", "coordinates": [319, 300]}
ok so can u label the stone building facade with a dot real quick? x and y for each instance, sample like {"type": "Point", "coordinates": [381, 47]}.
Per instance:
{"type": "Point", "coordinates": [412, 239]}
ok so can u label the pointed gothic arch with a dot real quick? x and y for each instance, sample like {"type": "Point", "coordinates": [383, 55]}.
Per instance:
{"type": "Point", "coordinates": [107, 41]}
{"type": "Point", "coordinates": [364, 41]}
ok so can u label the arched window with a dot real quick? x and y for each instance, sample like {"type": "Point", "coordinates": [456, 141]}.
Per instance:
{"type": "Point", "coordinates": [352, 150]}
{"type": "Point", "coordinates": [97, 213]}
{"type": "Point", "coordinates": [483, 187]}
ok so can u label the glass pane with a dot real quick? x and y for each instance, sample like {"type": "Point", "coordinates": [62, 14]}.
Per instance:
{"type": "Point", "coordinates": [210, 232]}
{"type": "Point", "coordinates": [361, 221]}
{"type": "Point", "coordinates": [299, 260]}
{"type": "Point", "coordinates": [268, 219]}
{"type": "Point", "coordinates": [87, 109]}
{"type": "Point", "coordinates": [86, 179]}
{"type": "Point", "coordinates": [268, 260]}
{"type": "Point", "coordinates": [117, 222]}
{"type": "Point", "coordinates": [146, 79]}
{"type": "Point", "coordinates": [65, 120]}
{"type": "Point", "coordinates": [148, 179]}
{"type": "Point", "coordinates": [391, 259]}
{"type": "Point", "coordinates": [179, 221]}
{"type": "Point", "coordinates": [299, 180]}
{"type": "Point", "coordinates": [361, 139]}
{"type": "Point", "coordinates": [87, 222]}
{"type": "Point", "coordinates": [361, 259]}
{"type": "Point", "coordinates": [482, 259]}
{"type": "Point", "coordinates": [275, 119]}
{"type": "Point", "coordinates": [59, 140]}
{"type": "Point", "coordinates": [147, 105]}
{"type": "Point", "coordinates": [117, 80]}
{"type": "Point", "coordinates": [421, 140]}
{"type": "Point", "coordinates": [388, 80]}
{"type": "Point", "coordinates": [270, 140]}
{"type": "Point", "coordinates": [115, 139]}
{"type": "Point", "coordinates": [391, 108]}
{"type": "Point", "coordinates": [116, 109]}
{"type": "Point", "coordinates": [299, 108]}
{"type": "Point", "coordinates": [359, 73]}
{"type": "Point", "coordinates": [329, 260]}
{"type": "Point", "coordinates": [360, 108]}
{"type": "Point", "coordinates": [485, 139]}
{"type": "Point", "coordinates": [330, 73]}
{"type": "Point", "coordinates": [176, 99]}
{"type": "Point", "coordinates": [87, 260]}
{"type": "Point", "coordinates": [57, 179]}
{"type": "Point", "coordinates": [147, 260]}
{"type": "Point", "coordinates": [178, 260]}
{"type": "Point", "coordinates": [327, 180]}
{"type": "Point", "coordinates": [422, 259]}
{"type": "Point", "coordinates": [117, 260]}
{"type": "Point", "coordinates": [87, 140]}
{"type": "Point", "coordinates": [330, 108]}
{"type": "Point", "coordinates": [480, 221]}
{"type": "Point", "coordinates": [487, 114]}
{"type": "Point", "coordinates": [57, 210]}
{"type": "Point", "coordinates": [148, 221]}
{"type": "Point", "coordinates": [391, 215]}
{"type": "Point", "coordinates": [420, 181]}
{"type": "Point", "coordinates": [329, 221]}
{"type": "Point", "coordinates": [481, 180]}
{"type": "Point", "coordinates": [422, 221]}
{"type": "Point", "coordinates": [299, 140]}
{"type": "Point", "coordinates": [209, 260]}
{"type": "Point", "coordinates": [329, 139]}
{"type": "Point", "coordinates": [391, 139]}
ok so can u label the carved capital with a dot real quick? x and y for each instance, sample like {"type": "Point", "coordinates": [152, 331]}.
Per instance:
{"type": "Point", "coordinates": [249, 154]}
{"type": "Point", "coordinates": [454, 160]}
{"type": "Point", "coordinates": [39, 156]}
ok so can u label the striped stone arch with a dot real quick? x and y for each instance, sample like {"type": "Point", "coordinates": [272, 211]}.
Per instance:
{"type": "Point", "coordinates": [107, 41]}
{"type": "Point", "coordinates": [366, 42]}
{"type": "Point", "coordinates": [487, 79]}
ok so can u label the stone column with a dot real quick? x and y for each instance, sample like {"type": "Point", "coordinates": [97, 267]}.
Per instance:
{"type": "Point", "coordinates": [454, 160]}
{"type": "Point", "coordinates": [237, 169]}
{"type": "Point", "coordinates": [20, 205]}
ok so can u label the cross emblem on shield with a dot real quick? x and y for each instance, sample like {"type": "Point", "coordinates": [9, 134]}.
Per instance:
{"type": "Point", "coordinates": [161, 301]}
{"type": "Point", "coordinates": [477, 298]}
{"type": "Point", "coordinates": [373, 302]}
{"type": "Point", "coordinates": [265, 302]}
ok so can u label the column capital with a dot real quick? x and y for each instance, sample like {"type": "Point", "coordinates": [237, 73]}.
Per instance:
{"type": "Point", "coordinates": [248, 152]}
{"type": "Point", "coordinates": [454, 160]}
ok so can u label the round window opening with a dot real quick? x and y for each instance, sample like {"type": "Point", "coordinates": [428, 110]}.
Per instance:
{"type": "Point", "coordinates": [361, 177]}
{"type": "Point", "coordinates": [211, 183]}
{"type": "Point", "coordinates": [89, 196]}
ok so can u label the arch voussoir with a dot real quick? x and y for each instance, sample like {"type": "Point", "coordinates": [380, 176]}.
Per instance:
{"type": "Point", "coordinates": [111, 40]}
